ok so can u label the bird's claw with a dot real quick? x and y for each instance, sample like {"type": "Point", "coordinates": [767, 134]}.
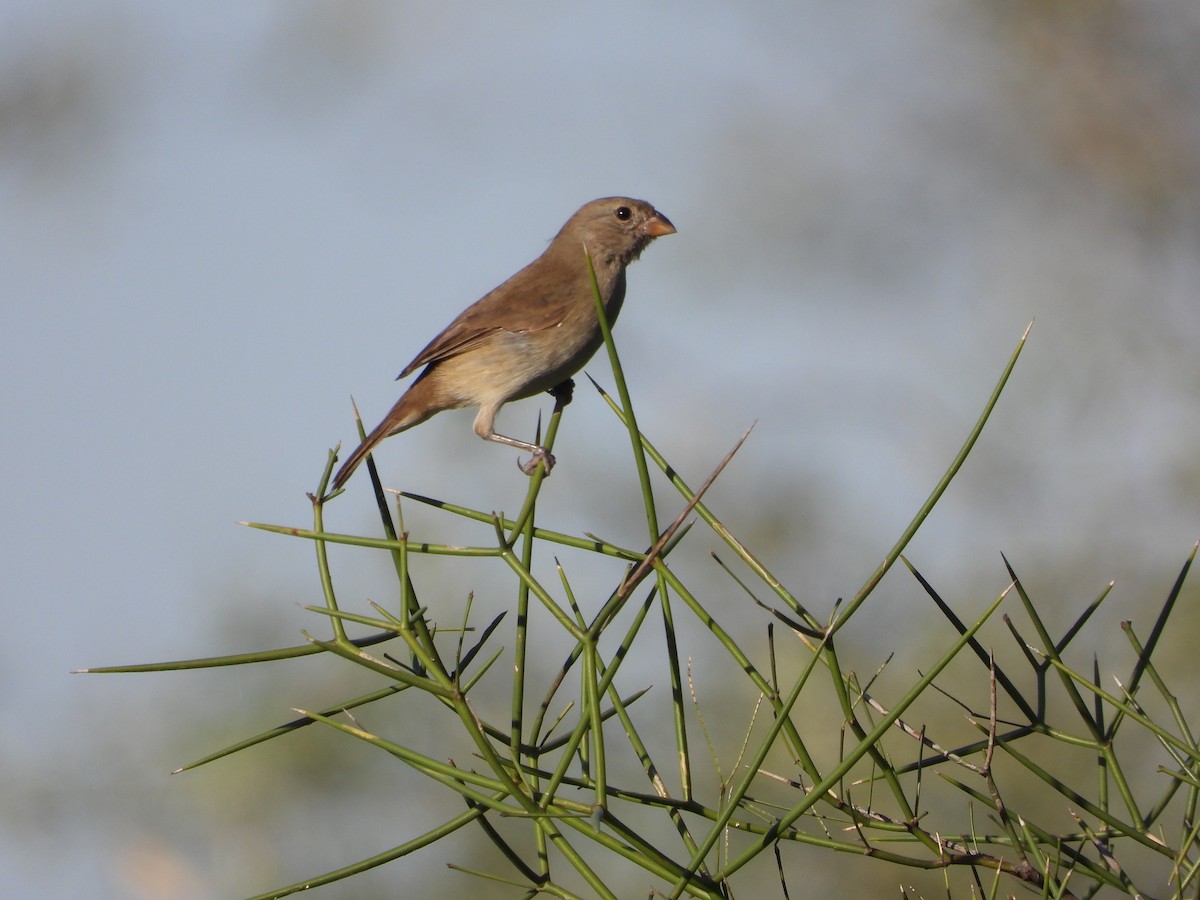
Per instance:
{"type": "Point", "coordinates": [540, 455]}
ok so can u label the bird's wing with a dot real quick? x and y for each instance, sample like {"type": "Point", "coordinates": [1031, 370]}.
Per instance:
{"type": "Point", "coordinates": [512, 307]}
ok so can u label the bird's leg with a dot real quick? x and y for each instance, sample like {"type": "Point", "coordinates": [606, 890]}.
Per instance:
{"type": "Point", "coordinates": [483, 427]}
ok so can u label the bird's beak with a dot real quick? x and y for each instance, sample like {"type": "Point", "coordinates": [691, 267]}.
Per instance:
{"type": "Point", "coordinates": [658, 225]}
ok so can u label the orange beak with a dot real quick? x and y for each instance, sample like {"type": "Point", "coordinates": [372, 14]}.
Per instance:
{"type": "Point", "coordinates": [658, 225]}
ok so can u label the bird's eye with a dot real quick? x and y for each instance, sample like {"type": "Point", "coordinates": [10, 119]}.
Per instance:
{"type": "Point", "coordinates": [623, 213]}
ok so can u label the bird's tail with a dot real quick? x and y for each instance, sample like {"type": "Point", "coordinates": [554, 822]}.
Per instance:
{"type": "Point", "coordinates": [357, 457]}
{"type": "Point", "coordinates": [411, 409]}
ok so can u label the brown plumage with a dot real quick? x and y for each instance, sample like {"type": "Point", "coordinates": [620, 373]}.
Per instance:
{"type": "Point", "coordinates": [529, 335]}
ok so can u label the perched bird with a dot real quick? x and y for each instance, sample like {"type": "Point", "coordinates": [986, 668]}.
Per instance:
{"type": "Point", "coordinates": [529, 335]}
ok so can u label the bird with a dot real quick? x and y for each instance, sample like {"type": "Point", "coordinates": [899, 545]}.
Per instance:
{"type": "Point", "coordinates": [530, 334]}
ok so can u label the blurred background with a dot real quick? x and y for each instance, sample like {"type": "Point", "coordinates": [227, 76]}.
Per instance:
{"type": "Point", "coordinates": [218, 224]}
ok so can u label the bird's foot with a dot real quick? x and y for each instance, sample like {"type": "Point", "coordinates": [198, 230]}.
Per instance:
{"type": "Point", "coordinates": [540, 455]}
{"type": "Point", "coordinates": [562, 392]}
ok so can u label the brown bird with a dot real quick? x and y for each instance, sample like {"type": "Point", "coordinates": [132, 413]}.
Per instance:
{"type": "Point", "coordinates": [529, 335]}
